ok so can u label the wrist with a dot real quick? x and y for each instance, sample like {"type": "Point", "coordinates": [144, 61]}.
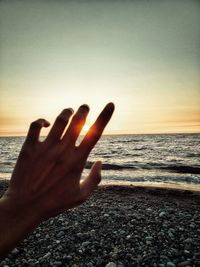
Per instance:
{"type": "Point", "coordinates": [13, 212]}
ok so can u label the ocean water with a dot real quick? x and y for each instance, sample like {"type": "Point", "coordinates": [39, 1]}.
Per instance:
{"type": "Point", "coordinates": [165, 159]}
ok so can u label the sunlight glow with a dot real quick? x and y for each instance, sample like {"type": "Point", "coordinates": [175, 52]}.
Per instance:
{"type": "Point", "coordinates": [86, 128]}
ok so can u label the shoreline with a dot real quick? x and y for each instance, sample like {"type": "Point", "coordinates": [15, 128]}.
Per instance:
{"type": "Point", "coordinates": [156, 185]}
{"type": "Point", "coordinates": [172, 186]}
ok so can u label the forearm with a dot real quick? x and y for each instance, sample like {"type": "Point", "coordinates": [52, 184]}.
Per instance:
{"type": "Point", "coordinates": [15, 225]}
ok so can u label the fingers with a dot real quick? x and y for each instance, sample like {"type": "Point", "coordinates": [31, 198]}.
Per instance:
{"type": "Point", "coordinates": [91, 182]}
{"type": "Point", "coordinates": [96, 130]}
{"type": "Point", "coordinates": [34, 130]}
{"type": "Point", "coordinates": [76, 125]}
{"type": "Point", "coordinates": [59, 125]}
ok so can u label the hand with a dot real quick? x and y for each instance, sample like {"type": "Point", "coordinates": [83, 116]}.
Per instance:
{"type": "Point", "coordinates": [46, 178]}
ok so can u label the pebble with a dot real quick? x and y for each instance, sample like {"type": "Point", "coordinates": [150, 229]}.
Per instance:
{"type": "Point", "coordinates": [117, 231]}
{"type": "Point", "coordinates": [15, 251]}
{"type": "Point", "coordinates": [170, 264]}
{"type": "Point", "coordinates": [61, 233]}
{"type": "Point", "coordinates": [111, 264]}
{"type": "Point", "coordinates": [184, 263]}
{"type": "Point", "coordinates": [86, 243]}
{"type": "Point", "coordinates": [162, 214]}
{"type": "Point", "coordinates": [188, 240]}
{"type": "Point", "coordinates": [47, 255]}
{"type": "Point", "coordinates": [57, 263]}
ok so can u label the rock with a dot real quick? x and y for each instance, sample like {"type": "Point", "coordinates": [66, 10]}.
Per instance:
{"type": "Point", "coordinates": [57, 263]}
{"type": "Point", "coordinates": [79, 234]}
{"type": "Point", "coordinates": [192, 225]}
{"type": "Point", "coordinates": [170, 264]}
{"type": "Point", "coordinates": [122, 232]}
{"type": "Point", "coordinates": [61, 233]}
{"type": "Point", "coordinates": [164, 258]}
{"type": "Point", "coordinates": [184, 264]}
{"type": "Point", "coordinates": [86, 243]}
{"type": "Point", "coordinates": [186, 252]}
{"type": "Point", "coordinates": [111, 264]}
{"type": "Point", "coordinates": [188, 240]}
{"type": "Point", "coordinates": [162, 214]}
{"type": "Point", "coordinates": [148, 242]}
{"type": "Point", "coordinates": [67, 257]}
{"type": "Point", "coordinates": [47, 255]}
{"type": "Point", "coordinates": [15, 251]}
{"type": "Point", "coordinates": [82, 236]}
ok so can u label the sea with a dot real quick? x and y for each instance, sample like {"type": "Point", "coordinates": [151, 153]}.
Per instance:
{"type": "Point", "coordinates": [164, 160]}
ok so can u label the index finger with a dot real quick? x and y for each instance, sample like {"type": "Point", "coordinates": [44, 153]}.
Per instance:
{"type": "Point", "coordinates": [96, 130]}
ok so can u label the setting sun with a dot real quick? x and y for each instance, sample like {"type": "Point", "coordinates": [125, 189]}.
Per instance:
{"type": "Point", "coordinates": [86, 128]}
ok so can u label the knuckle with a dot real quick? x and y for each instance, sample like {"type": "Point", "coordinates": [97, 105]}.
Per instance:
{"type": "Point", "coordinates": [61, 119]}
{"type": "Point", "coordinates": [64, 116]}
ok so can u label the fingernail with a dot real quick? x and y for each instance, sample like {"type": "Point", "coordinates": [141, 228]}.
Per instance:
{"type": "Point", "coordinates": [110, 106]}
{"type": "Point", "coordinates": [46, 123]}
{"type": "Point", "coordinates": [66, 110]}
{"type": "Point", "coordinates": [85, 107]}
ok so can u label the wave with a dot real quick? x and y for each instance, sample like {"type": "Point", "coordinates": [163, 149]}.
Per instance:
{"type": "Point", "coordinates": [183, 169]}
{"type": "Point", "coordinates": [151, 166]}
{"type": "Point", "coordinates": [107, 166]}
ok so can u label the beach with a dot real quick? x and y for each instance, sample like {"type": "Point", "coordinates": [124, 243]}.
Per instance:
{"type": "Point", "coordinates": [119, 226]}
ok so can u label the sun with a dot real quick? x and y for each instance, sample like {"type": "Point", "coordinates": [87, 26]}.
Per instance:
{"type": "Point", "coordinates": [86, 128]}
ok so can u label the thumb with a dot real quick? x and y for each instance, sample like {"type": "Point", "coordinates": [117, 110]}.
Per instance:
{"type": "Point", "coordinates": [92, 180]}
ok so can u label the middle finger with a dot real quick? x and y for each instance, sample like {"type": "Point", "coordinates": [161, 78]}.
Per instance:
{"type": "Point", "coordinates": [76, 125]}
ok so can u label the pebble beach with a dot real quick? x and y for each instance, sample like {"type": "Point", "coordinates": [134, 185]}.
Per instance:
{"type": "Point", "coordinates": [119, 226]}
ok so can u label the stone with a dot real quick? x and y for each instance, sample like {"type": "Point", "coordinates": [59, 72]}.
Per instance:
{"type": "Point", "coordinates": [111, 264]}
{"type": "Point", "coordinates": [61, 233]}
{"type": "Point", "coordinates": [184, 263]}
{"type": "Point", "coordinates": [170, 264]}
{"type": "Point", "coordinates": [86, 243]}
{"type": "Point", "coordinates": [15, 251]}
{"type": "Point", "coordinates": [162, 214]}
{"type": "Point", "coordinates": [57, 263]}
{"type": "Point", "coordinates": [122, 232]}
{"type": "Point", "coordinates": [47, 255]}
{"type": "Point", "coordinates": [186, 252]}
{"type": "Point", "coordinates": [188, 240]}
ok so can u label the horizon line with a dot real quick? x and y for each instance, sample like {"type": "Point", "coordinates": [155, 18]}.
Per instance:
{"type": "Point", "coordinates": [160, 133]}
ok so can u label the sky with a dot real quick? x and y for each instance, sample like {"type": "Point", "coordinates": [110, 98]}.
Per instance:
{"type": "Point", "coordinates": [142, 55]}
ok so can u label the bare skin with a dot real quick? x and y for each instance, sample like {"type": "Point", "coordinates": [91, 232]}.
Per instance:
{"type": "Point", "coordinates": [46, 178]}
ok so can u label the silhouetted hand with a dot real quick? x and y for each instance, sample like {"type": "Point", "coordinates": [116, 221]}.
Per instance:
{"type": "Point", "coordinates": [46, 178]}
